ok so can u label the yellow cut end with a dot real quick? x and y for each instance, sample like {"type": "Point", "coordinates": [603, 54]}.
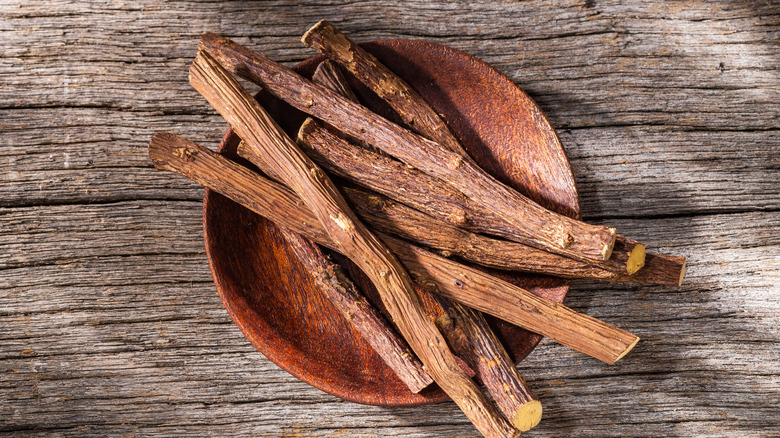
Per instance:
{"type": "Point", "coordinates": [607, 249]}
{"type": "Point", "coordinates": [305, 128]}
{"type": "Point", "coordinates": [242, 149]}
{"type": "Point", "coordinates": [316, 27]}
{"type": "Point", "coordinates": [682, 272]}
{"type": "Point", "coordinates": [625, 352]}
{"type": "Point", "coordinates": [528, 416]}
{"type": "Point", "coordinates": [636, 259]}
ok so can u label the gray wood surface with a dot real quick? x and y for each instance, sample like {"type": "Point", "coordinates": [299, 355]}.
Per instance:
{"type": "Point", "coordinates": [109, 321]}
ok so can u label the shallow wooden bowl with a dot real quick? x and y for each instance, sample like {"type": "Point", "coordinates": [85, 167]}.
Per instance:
{"type": "Point", "coordinates": [272, 299]}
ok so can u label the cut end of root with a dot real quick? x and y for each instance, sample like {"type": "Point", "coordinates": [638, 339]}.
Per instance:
{"type": "Point", "coordinates": [304, 132]}
{"type": "Point", "coordinates": [629, 348]}
{"type": "Point", "coordinates": [606, 253]}
{"type": "Point", "coordinates": [528, 416]}
{"type": "Point", "coordinates": [682, 272]}
{"type": "Point", "coordinates": [307, 36]}
{"type": "Point", "coordinates": [636, 259]}
{"type": "Point", "coordinates": [243, 150]}
{"type": "Point", "coordinates": [306, 128]}
{"type": "Point", "coordinates": [158, 146]}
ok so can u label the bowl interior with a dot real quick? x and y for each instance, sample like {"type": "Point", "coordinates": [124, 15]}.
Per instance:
{"type": "Point", "coordinates": [272, 299]}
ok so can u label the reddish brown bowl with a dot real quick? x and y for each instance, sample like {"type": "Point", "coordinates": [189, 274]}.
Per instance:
{"type": "Point", "coordinates": [271, 298]}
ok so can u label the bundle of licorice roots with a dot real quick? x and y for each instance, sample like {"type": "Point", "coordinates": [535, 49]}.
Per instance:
{"type": "Point", "coordinates": [409, 198]}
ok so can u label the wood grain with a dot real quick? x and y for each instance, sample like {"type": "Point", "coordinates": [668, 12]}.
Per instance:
{"type": "Point", "coordinates": [109, 321]}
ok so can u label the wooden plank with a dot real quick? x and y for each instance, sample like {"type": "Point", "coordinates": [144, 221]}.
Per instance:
{"type": "Point", "coordinates": [643, 171]}
{"type": "Point", "coordinates": [632, 49]}
{"type": "Point", "coordinates": [653, 76]}
{"type": "Point", "coordinates": [620, 171]}
{"type": "Point", "coordinates": [57, 235]}
{"type": "Point", "coordinates": [135, 348]}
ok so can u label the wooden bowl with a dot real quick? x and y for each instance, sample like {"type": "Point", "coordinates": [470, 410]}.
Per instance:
{"type": "Point", "coordinates": [272, 299]}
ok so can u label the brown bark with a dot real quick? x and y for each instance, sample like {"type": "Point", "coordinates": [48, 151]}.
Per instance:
{"type": "Point", "coordinates": [534, 225]}
{"type": "Point", "coordinates": [329, 76]}
{"type": "Point", "coordinates": [364, 318]}
{"type": "Point", "coordinates": [414, 111]}
{"type": "Point", "coordinates": [260, 132]}
{"type": "Point", "coordinates": [451, 279]}
{"type": "Point", "coordinates": [385, 215]}
{"type": "Point", "coordinates": [425, 193]}
{"type": "Point", "coordinates": [659, 269]}
{"type": "Point", "coordinates": [466, 331]}
{"type": "Point", "coordinates": [472, 339]}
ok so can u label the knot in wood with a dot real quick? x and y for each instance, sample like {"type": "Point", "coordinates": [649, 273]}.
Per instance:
{"type": "Point", "coordinates": [458, 216]}
{"type": "Point", "coordinates": [377, 202]}
{"type": "Point", "coordinates": [343, 222]}
{"type": "Point", "coordinates": [185, 153]}
{"type": "Point", "coordinates": [308, 100]}
{"type": "Point", "coordinates": [455, 162]}
{"type": "Point", "coordinates": [566, 240]}
{"type": "Point", "coordinates": [316, 173]}
{"type": "Point", "coordinates": [444, 253]}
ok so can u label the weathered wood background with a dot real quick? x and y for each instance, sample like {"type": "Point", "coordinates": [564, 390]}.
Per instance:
{"type": "Point", "coordinates": [109, 321]}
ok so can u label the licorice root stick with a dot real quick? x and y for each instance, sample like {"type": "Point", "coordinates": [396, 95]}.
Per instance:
{"type": "Point", "coordinates": [384, 214]}
{"type": "Point", "coordinates": [458, 282]}
{"type": "Point", "coordinates": [466, 330]}
{"type": "Point", "coordinates": [259, 131]}
{"type": "Point", "coordinates": [473, 340]}
{"type": "Point", "coordinates": [535, 225]}
{"type": "Point", "coordinates": [363, 317]}
{"type": "Point", "coordinates": [414, 111]}
{"type": "Point", "coordinates": [424, 193]}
